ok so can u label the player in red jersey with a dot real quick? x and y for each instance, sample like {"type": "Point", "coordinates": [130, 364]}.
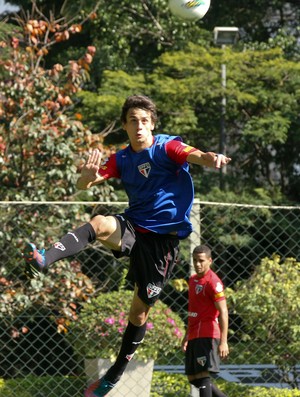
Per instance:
{"type": "Point", "coordinates": [205, 341]}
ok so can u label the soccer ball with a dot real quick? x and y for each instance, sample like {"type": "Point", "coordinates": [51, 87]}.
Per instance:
{"type": "Point", "coordinates": [189, 9]}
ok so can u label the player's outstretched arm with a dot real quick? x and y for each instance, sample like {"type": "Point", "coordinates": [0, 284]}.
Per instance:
{"type": "Point", "coordinates": [208, 159]}
{"type": "Point", "coordinates": [89, 172]}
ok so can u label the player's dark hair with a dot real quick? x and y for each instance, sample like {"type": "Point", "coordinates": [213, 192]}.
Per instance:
{"type": "Point", "coordinates": [202, 249]}
{"type": "Point", "coordinates": [140, 102]}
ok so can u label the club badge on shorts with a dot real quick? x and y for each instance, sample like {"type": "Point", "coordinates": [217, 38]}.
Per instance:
{"type": "Point", "coordinates": [201, 361]}
{"type": "Point", "coordinates": [152, 290]}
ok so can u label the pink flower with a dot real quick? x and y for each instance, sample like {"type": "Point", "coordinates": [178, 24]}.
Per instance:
{"type": "Point", "coordinates": [178, 333]}
{"type": "Point", "coordinates": [149, 326]}
{"type": "Point", "coordinates": [109, 320]}
{"type": "Point", "coordinates": [171, 321]}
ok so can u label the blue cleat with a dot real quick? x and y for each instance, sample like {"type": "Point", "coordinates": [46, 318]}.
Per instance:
{"type": "Point", "coordinates": [99, 388]}
{"type": "Point", "coordinates": [35, 260]}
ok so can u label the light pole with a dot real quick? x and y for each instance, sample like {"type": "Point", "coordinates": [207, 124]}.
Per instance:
{"type": "Point", "coordinates": [224, 36]}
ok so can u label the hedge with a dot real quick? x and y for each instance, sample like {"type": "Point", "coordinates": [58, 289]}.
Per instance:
{"type": "Point", "coordinates": [163, 385]}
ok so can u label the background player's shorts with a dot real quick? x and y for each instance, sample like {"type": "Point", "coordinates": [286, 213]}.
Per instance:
{"type": "Point", "coordinates": [152, 259]}
{"type": "Point", "coordinates": [202, 355]}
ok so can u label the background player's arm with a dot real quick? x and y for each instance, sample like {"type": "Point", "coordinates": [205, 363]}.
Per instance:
{"type": "Point", "coordinates": [223, 321]}
{"type": "Point", "coordinates": [184, 342]}
{"type": "Point", "coordinates": [89, 173]}
{"type": "Point", "coordinates": [208, 159]}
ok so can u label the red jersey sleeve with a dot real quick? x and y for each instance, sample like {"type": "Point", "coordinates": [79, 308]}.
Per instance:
{"type": "Point", "coordinates": [178, 151]}
{"type": "Point", "coordinates": [217, 289]}
{"type": "Point", "coordinates": [109, 168]}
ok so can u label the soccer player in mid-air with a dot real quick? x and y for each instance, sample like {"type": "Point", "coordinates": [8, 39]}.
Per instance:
{"type": "Point", "coordinates": [154, 170]}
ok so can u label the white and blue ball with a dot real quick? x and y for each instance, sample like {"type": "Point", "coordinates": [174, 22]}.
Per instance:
{"type": "Point", "coordinates": [189, 9]}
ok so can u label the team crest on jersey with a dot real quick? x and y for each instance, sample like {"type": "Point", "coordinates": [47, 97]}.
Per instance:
{"type": "Point", "coordinates": [198, 289]}
{"type": "Point", "coordinates": [152, 290]}
{"type": "Point", "coordinates": [201, 361]}
{"type": "Point", "coordinates": [145, 169]}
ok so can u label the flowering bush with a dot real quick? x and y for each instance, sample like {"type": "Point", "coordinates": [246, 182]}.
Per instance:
{"type": "Point", "coordinates": [101, 324]}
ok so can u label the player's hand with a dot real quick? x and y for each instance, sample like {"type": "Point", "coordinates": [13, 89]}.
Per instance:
{"type": "Point", "coordinates": [223, 350]}
{"type": "Point", "coordinates": [89, 172]}
{"type": "Point", "coordinates": [184, 344]}
{"type": "Point", "coordinates": [90, 169]}
{"type": "Point", "coordinates": [221, 160]}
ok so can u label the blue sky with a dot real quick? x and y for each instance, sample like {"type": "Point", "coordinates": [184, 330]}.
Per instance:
{"type": "Point", "coordinates": [5, 7]}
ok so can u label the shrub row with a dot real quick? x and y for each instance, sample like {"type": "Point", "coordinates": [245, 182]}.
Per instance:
{"type": "Point", "coordinates": [163, 385]}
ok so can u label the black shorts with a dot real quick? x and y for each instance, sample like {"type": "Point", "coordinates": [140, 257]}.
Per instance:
{"type": "Point", "coordinates": [152, 259]}
{"type": "Point", "coordinates": [202, 355]}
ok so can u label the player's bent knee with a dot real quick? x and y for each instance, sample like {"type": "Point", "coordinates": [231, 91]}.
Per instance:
{"type": "Point", "coordinates": [138, 320]}
{"type": "Point", "coordinates": [138, 313]}
{"type": "Point", "coordinates": [104, 226]}
{"type": "Point", "coordinates": [137, 317]}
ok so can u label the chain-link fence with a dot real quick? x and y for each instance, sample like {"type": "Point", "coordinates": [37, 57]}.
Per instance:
{"type": "Point", "coordinates": [77, 310]}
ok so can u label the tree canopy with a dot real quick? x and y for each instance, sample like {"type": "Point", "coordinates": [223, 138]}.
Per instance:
{"type": "Point", "coordinates": [39, 139]}
{"type": "Point", "coordinates": [261, 115]}
{"type": "Point", "coordinates": [142, 48]}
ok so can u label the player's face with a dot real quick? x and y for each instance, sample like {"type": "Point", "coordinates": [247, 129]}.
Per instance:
{"type": "Point", "coordinates": [139, 127]}
{"type": "Point", "coordinates": [201, 263]}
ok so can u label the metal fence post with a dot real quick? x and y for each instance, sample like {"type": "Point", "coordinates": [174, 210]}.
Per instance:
{"type": "Point", "coordinates": [195, 236]}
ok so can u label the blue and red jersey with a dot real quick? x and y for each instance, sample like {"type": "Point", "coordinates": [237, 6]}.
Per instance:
{"type": "Point", "coordinates": [158, 184]}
